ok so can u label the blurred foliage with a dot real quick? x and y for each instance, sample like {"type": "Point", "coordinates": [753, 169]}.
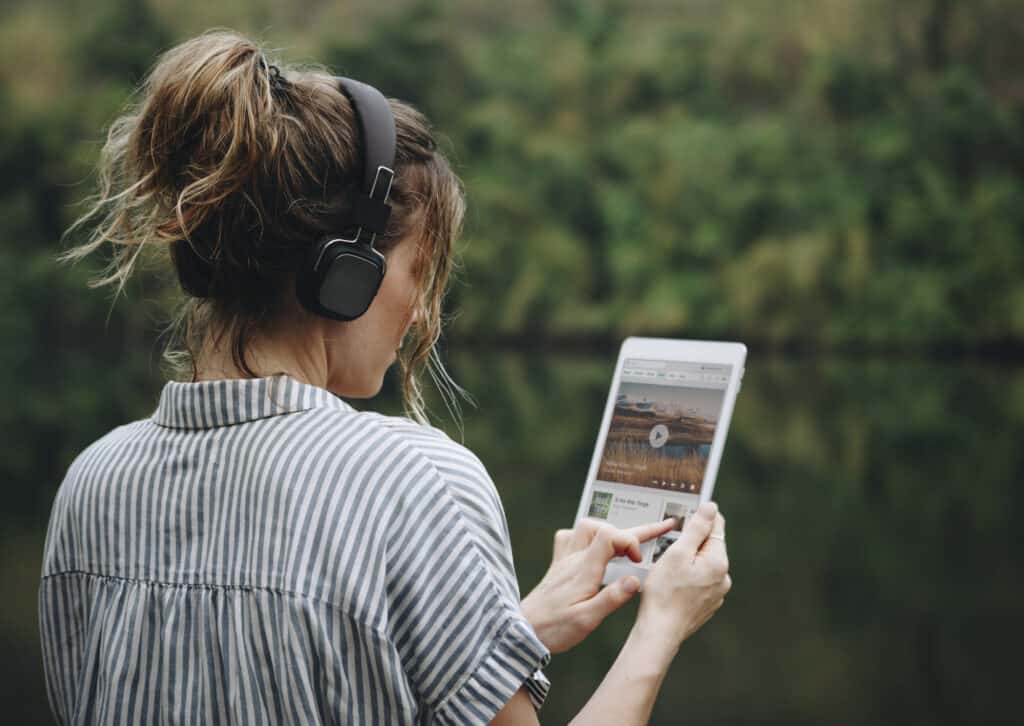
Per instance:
{"type": "Point", "coordinates": [826, 173]}
{"type": "Point", "coordinates": [630, 170]}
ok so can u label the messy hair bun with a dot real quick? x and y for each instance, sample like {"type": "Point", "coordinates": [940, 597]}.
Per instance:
{"type": "Point", "coordinates": [224, 154]}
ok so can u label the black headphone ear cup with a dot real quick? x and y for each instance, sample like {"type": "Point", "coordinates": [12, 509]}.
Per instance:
{"type": "Point", "coordinates": [340, 279]}
{"type": "Point", "coordinates": [350, 280]}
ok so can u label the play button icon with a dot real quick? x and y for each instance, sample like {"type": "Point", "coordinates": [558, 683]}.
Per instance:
{"type": "Point", "coordinates": [658, 436]}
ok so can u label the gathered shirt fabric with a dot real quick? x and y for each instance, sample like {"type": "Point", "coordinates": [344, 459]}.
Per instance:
{"type": "Point", "coordinates": [259, 551]}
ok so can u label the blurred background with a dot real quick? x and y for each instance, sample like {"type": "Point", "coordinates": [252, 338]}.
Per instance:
{"type": "Point", "coordinates": [838, 184]}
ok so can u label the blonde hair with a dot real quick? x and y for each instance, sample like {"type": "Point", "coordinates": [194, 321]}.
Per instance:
{"type": "Point", "coordinates": [224, 152]}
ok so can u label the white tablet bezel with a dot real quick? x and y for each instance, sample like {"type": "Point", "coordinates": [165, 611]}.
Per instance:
{"type": "Point", "coordinates": [669, 349]}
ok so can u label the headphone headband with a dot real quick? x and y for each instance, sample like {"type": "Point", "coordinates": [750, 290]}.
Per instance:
{"type": "Point", "coordinates": [376, 129]}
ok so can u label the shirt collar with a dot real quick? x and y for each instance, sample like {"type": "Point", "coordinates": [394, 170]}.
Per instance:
{"type": "Point", "coordinates": [209, 404]}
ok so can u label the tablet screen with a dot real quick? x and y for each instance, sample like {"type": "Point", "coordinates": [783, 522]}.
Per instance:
{"type": "Point", "coordinates": [658, 442]}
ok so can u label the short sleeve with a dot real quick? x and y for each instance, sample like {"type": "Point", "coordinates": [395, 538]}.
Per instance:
{"type": "Point", "coordinates": [463, 642]}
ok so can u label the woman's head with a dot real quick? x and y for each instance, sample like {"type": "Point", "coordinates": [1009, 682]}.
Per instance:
{"type": "Point", "coordinates": [225, 158]}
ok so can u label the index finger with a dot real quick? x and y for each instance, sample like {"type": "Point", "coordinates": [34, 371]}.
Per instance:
{"type": "Point", "coordinates": [610, 541]}
{"type": "Point", "coordinates": [644, 532]}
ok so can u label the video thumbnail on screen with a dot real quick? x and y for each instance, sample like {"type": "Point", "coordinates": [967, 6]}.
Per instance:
{"type": "Point", "coordinates": [660, 436]}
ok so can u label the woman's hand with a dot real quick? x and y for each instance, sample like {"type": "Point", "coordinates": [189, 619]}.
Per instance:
{"type": "Point", "coordinates": [568, 603]}
{"type": "Point", "coordinates": [689, 582]}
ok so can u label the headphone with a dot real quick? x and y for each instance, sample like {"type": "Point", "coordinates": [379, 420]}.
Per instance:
{"type": "Point", "coordinates": [337, 277]}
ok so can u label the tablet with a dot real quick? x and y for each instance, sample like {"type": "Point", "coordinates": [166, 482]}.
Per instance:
{"type": "Point", "coordinates": [661, 437]}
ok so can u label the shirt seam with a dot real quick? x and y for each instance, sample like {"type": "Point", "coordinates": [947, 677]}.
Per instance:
{"type": "Point", "coordinates": [193, 427]}
{"type": "Point", "coordinates": [212, 586]}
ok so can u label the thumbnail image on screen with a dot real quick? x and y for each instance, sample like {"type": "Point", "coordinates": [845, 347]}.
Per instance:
{"type": "Point", "coordinates": [660, 436]}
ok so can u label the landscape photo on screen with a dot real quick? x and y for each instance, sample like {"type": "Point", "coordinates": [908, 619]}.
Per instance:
{"type": "Point", "coordinates": [660, 436]}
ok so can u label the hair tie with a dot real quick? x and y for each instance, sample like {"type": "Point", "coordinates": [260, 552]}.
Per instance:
{"type": "Point", "coordinates": [273, 73]}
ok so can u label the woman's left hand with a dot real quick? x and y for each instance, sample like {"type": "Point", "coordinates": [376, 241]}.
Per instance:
{"type": "Point", "coordinates": [568, 603]}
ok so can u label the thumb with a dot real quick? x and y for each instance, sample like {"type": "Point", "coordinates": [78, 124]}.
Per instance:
{"type": "Point", "coordinates": [697, 528]}
{"type": "Point", "coordinates": [610, 599]}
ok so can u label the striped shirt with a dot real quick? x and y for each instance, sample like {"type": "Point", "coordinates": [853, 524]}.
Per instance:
{"type": "Point", "coordinates": [258, 551]}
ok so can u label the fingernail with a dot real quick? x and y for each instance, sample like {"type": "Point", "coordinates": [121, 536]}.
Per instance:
{"type": "Point", "coordinates": [631, 584]}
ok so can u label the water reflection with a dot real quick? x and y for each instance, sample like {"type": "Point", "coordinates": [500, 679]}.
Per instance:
{"type": "Point", "coordinates": [870, 511]}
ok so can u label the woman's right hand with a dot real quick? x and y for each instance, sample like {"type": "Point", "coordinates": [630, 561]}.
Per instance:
{"type": "Point", "coordinates": [683, 589]}
{"type": "Point", "coordinates": [689, 581]}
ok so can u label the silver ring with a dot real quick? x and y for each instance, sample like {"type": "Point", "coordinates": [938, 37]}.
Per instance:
{"type": "Point", "coordinates": [716, 536]}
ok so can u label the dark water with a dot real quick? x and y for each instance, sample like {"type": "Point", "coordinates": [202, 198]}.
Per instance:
{"type": "Point", "coordinates": [872, 507]}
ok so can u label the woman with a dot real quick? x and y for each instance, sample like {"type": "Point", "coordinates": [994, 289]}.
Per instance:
{"type": "Point", "coordinates": [258, 550]}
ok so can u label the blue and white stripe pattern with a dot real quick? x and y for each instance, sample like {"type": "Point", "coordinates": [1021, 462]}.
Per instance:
{"type": "Point", "coordinates": [258, 551]}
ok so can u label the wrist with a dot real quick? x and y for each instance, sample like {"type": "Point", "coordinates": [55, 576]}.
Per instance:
{"type": "Point", "coordinates": [534, 614]}
{"type": "Point", "coordinates": [659, 637]}
{"type": "Point", "coordinates": [648, 656]}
